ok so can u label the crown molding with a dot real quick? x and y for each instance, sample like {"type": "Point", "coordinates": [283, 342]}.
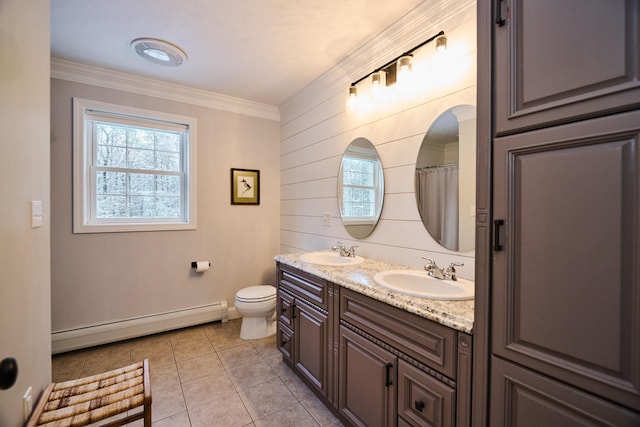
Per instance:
{"type": "Point", "coordinates": [111, 79]}
{"type": "Point", "coordinates": [409, 31]}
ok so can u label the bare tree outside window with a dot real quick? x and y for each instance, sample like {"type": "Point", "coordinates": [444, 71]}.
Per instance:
{"type": "Point", "coordinates": [137, 172]}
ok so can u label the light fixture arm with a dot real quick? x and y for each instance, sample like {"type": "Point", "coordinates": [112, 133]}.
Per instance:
{"type": "Point", "coordinates": [407, 53]}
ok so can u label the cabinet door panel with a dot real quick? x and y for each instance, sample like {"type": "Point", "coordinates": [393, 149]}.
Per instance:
{"type": "Point", "coordinates": [310, 355]}
{"type": "Point", "coordinates": [422, 399]}
{"type": "Point", "coordinates": [563, 60]}
{"type": "Point", "coordinates": [566, 294]}
{"type": "Point", "coordinates": [532, 400]}
{"type": "Point", "coordinates": [368, 377]}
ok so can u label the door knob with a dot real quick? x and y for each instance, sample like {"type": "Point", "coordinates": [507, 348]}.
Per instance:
{"type": "Point", "coordinates": [8, 372]}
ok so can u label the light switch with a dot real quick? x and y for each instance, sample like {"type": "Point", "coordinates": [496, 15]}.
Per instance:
{"type": "Point", "coordinates": [326, 219]}
{"type": "Point", "coordinates": [36, 213]}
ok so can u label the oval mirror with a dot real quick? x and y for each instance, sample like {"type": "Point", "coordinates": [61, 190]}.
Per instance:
{"type": "Point", "coordinates": [360, 188]}
{"type": "Point", "coordinates": [445, 181]}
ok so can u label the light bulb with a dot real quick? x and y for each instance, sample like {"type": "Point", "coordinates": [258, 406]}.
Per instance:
{"type": "Point", "coordinates": [352, 101]}
{"type": "Point", "coordinates": [377, 83]}
{"type": "Point", "coordinates": [404, 67]}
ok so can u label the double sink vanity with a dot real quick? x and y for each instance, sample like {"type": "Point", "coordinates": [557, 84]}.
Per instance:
{"type": "Point", "coordinates": [380, 344]}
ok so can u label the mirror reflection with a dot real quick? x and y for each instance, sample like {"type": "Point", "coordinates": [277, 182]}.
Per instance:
{"type": "Point", "coordinates": [445, 178]}
{"type": "Point", "coordinates": [360, 188]}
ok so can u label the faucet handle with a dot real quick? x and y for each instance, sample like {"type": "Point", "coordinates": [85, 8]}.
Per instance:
{"type": "Point", "coordinates": [352, 250]}
{"type": "Point", "coordinates": [430, 262]}
{"type": "Point", "coordinates": [451, 270]}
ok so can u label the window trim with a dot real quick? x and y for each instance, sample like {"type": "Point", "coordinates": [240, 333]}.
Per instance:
{"type": "Point", "coordinates": [376, 187]}
{"type": "Point", "coordinates": [82, 165]}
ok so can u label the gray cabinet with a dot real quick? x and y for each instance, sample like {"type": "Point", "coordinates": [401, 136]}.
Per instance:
{"type": "Point", "coordinates": [532, 400]}
{"type": "Point", "coordinates": [304, 329]}
{"type": "Point", "coordinates": [562, 61]}
{"type": "Point", "coordinates": [566, 285]}
{"type": "Point", "coordinates": [372, 364]}
{"type": "Point", "coordinates": [396, 367]}
{"type": "Point", "coordinates": [422, 399]}
{"type": "Point", "coordinates": [558, 227]}
{"type": "Point", "coordinates": [367, 386]}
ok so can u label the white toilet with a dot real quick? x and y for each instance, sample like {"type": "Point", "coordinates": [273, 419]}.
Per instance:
{"type": "Point", "coordinates": [256, 305]}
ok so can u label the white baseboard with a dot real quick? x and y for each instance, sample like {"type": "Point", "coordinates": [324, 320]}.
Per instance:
{"type": "Point", "coordinates": [88, 336]}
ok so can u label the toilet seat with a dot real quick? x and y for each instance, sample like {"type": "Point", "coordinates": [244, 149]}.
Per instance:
{"type": "Point", "coordinates": [258, 293]}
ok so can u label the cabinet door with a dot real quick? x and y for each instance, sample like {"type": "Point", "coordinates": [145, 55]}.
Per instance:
{"type": "Point", "coordinates": [311, 352]}
{"type": "Point", "coordinates": [532, 400]}
{"type": "Point", "coordinates": [566, 285]}
{"type": "Point", "coordinates": [422, 399]}
{"type": "Point", "coordinates": [558, 61]}
{"type": "Point", "coordinates": [368, 376]}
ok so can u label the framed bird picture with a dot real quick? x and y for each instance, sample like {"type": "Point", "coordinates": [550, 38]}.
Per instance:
{"type": "Point", "coordinates": [245, 187]}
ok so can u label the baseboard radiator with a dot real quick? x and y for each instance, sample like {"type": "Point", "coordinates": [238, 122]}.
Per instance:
{"type": "Point", "coordinates": [88, 336]}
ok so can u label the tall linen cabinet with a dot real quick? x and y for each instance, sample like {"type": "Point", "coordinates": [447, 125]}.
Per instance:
{"type": "Point", "coordinates": [557, 333]}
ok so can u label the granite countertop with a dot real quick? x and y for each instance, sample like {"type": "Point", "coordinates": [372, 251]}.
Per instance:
{"type": "Point", "coordinates": [454, 314]}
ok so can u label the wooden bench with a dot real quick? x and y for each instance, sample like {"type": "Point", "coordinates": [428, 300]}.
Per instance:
{"type": "Point", "coordinates": [88, 400]}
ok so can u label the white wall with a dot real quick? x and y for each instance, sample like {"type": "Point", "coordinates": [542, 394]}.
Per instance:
{"type": "Point", "coordinates": [316, 129]}
{"type": "Point", "coordinates": [24, 176]}
{"type": "Point", "coordinates": [97, 278]}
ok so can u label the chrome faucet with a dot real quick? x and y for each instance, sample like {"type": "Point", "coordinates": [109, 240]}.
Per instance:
{"type": "Point", "coordinates": [351, 252]}
{"type": "Point", "coordinates": [436, 272]}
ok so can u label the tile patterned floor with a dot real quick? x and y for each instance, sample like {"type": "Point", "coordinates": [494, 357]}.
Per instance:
{"type": "Point", "coordinates": [206, 376]}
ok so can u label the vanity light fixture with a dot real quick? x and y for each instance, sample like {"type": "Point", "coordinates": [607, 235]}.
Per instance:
{"type": "Point", "coordinates": [159, 51]}
{"type": "Point", "coordinates": [441, 43]}
{"type": "Point", "coordinates": [388, 74]}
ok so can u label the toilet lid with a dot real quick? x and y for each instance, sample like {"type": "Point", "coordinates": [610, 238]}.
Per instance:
{"type": "Point", "coordinates": [256, 293]}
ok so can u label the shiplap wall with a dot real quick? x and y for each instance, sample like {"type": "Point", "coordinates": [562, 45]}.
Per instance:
{"type": "Point", "coordinates": [316, 129]}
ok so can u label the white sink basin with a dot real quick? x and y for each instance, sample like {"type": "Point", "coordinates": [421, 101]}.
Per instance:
{"type": "Point", "coordinates": [330, 258]}
{"type": "Point", "coordinates": [418, 283]}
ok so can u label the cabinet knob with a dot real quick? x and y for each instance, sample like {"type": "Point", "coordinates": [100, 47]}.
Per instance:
{"type": "Point", "coordinates": [464, 342]}
{"type": "Point", "coordinates": [419, 405]}
{"type": "Point", "coordinates": [8, 373]}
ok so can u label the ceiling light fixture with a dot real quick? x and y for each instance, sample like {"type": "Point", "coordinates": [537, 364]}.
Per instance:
{"type": "Point", "coordinates": [397, 66]}
{"type": "Point", "coordinates": [441, 43]}
{"type": "Point", "coordinates": [159, 51]}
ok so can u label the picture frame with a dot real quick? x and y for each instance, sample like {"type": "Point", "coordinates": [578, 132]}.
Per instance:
{"type": "Point", "coordinates": [245, 187]}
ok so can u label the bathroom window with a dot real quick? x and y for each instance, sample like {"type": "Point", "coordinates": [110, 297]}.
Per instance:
{"type": "Point", "coordinates": [360, 188]}
{"type": "Point", "coordinates": [134, 169]}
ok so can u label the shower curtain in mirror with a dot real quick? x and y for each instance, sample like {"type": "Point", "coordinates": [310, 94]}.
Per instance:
{"type": "Point", "coordinates": [437, 196]}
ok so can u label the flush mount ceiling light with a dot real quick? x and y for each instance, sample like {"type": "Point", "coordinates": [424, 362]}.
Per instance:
{"type": "Point", "coordinates": [159, 52]}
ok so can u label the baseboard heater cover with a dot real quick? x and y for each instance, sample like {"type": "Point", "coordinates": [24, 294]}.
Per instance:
{"type": "Point", "coordinates": [104, 333]}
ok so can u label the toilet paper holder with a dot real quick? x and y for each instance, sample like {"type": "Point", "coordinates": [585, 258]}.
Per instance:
{"type": "Point", "coordinates": [194, 264]}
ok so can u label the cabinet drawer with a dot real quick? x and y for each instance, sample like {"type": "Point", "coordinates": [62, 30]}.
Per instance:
{"type": "Point", "coordinates": [285, 342]}
{"type": "Point", "coordinates": [422, 399]}
{"type": "Point", "coordinates": [284, 308]}
{"type": "Point", "coordinates": [304, 285]}
{"type": "Point", "coordinates": [426, 341]}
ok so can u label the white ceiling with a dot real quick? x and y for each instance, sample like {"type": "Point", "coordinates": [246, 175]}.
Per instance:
{"type": "Point", "coordinates": [260, 50]}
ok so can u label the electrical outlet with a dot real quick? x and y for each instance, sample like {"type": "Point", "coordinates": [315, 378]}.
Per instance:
{"type": "Point", "coordinates": [27, 403]}
{"type": "Point", "coordinates": [326, 219]}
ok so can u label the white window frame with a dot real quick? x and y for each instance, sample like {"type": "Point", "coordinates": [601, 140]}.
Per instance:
{"type": "Point", "coordinates": [84, 216]}
{"type": "Point", "coordinates": [376, 187]}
